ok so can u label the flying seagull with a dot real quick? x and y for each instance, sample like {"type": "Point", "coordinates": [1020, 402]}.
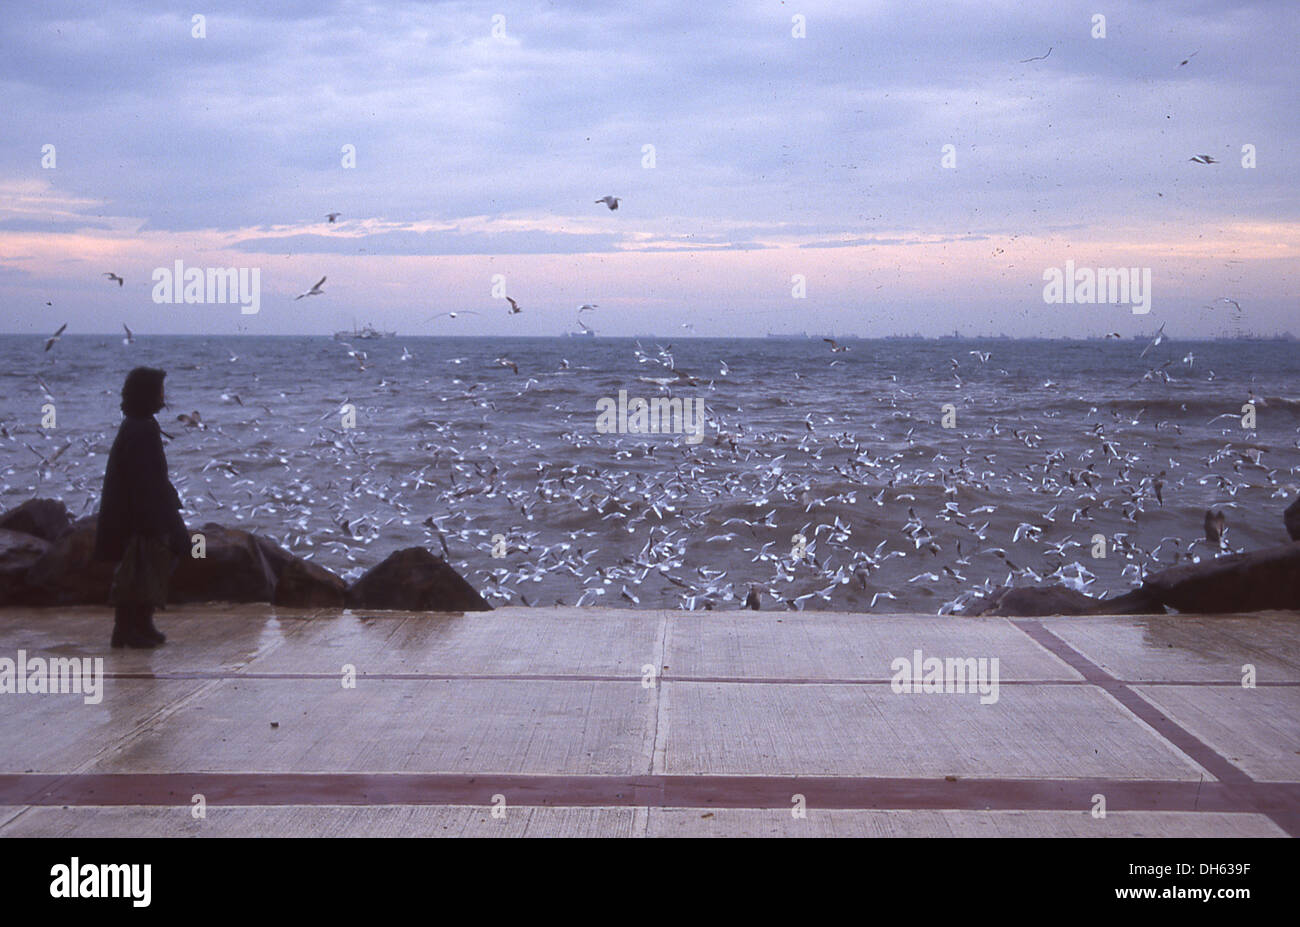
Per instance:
{"type": "Point", "coordinates": [1038, 58]}
{"type": "Point", "coordinates": [332, 216]}
{"type": "Point", "coordinates": [314, 291]}
{"type": "Point", "coordinates": [514, 306]}
{"type": "Point", "coordinates": [1204, 159]}
{"type": "Point", "coordinates": [587, 307]}
{"type": "Point", "coordinates": [119, 280]}
{"type": "Point", "coordinates": [610, 201]}
{"type": "Point", "coordinates": [1160, 336]}
{"type": "Point", "coordinates": [130, 338]}
{"type": "Point", "coordinates": [49, 342]}
{"type": "Point", "coordinates": [836, 347]}
{"type": "Point", "coordinates": [1189, 58]}
{"type": "Point", "coordinates": [451, 315]}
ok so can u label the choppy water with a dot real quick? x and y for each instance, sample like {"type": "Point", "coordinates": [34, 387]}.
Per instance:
{"type": "Point", "coordinates": [1054, 443]}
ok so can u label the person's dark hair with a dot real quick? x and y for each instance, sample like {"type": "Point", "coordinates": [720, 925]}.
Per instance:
{"type": "Point", "coordinates": [142, 391]}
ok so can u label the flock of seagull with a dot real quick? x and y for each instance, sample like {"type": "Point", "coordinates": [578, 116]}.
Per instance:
{"type": "Point", "coordinates": [840, 491]}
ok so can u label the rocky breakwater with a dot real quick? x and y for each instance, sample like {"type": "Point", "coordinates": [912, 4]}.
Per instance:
{"type": "Point", "coordinates": [46, 559]}
{"type": "Point", "coordinates": [1253, 581]}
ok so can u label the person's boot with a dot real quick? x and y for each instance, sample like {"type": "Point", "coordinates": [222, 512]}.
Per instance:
{"type": "Point", "coordinates": [147, 628]}
{"type": "Point", "coordinates": [128, 630]}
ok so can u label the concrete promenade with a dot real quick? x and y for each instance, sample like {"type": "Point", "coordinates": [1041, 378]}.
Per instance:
{"type": "Point", "coordinates": [605, 722]}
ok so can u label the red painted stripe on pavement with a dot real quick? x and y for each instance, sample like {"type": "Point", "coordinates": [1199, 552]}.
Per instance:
{"type": "Point", "coordinates": [274, 789]}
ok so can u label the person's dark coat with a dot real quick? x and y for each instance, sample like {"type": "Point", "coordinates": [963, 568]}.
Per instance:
{"type": "Point", "coordinates": [138, 499]}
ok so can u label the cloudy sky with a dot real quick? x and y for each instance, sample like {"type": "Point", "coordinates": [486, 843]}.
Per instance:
{"type": "Point", "coordinates": [483, 133]}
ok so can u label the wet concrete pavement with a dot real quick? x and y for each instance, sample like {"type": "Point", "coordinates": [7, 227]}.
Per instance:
{"type": "Point", "coordinates": [609, 722]}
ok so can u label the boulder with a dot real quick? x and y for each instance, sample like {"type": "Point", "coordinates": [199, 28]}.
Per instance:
{"type": "Point", "coordinates": [235, 568]}
{"type": "Point", "coordinates": [238, 567]}
{"type": "Point", "coordinates": [18, 552]}
{"type": "Point", "coordinates": [1033, 601]}
{"type": "Point", "coordinates": [275, 555]}
{"type": "Point", "coordinates": [1249, 582]}
{"type": "Point", "coordinates": [415, 580]}
{"type": "Point", "coordinates": [303, 584]}
{"type": "Point", "coordinates": [300, 583]}
{"type": "Point", "coordinates": [1037, 601]}
{"type": "Point", "coordinates": [42, 518]}
{"type": "Point", "coordinates": [1139, 601]}
{"type": "Point", "coordinates": [295, 583]}
{"type": "Point", "coordinates": [67, 573]}
{"type": "Point", "coordinates": [1292, 519]}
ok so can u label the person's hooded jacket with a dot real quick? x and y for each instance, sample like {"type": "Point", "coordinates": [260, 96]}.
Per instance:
{"type": "Point", "coordinates": [138, 498]}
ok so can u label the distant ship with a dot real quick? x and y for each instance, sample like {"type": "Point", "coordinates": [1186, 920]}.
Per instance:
{"type": "Point", "coordinates": [365, 333]}
{"type": "Point", "coordinates": [582, 334]}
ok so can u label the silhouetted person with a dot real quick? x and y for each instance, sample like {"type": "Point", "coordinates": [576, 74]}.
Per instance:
{"type": "Point", "coordinates": [140, 525]}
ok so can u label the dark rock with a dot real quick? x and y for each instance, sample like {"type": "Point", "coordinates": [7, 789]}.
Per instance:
{"type": "Point", "coordinates": [238, 567]}
{"type": "Point", "coordinates": [18, 553]}
{"type": "Point", "coordinates": [42, 518]}
{"type": "Point", "coordinates": [1292, 519]}
{"type": "Point", "coordinates": [1137, 602]}
{"type": "Point", "coordinates": [67, 573]}
{"type": "Point", "coordinates": [303, 584]}
{"type": "Point", "coordinates": [415, 580]}
{"type": "Point", "coordinates": [1032, 601]}
{"type": "Point", "coordinates": [276, 556]}
{"type": "Point", "coordinates": [300, 583]}
{"type": "Point", "coordinates": [1249, 582]}
{"type": "Point", "coordinates": [1037, 601]}
{"type": "Point", "coordinates": [235, 568]}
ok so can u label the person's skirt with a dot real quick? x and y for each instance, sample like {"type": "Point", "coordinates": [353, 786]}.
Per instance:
{"type": "Point", "coordinates": [142, 575]}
